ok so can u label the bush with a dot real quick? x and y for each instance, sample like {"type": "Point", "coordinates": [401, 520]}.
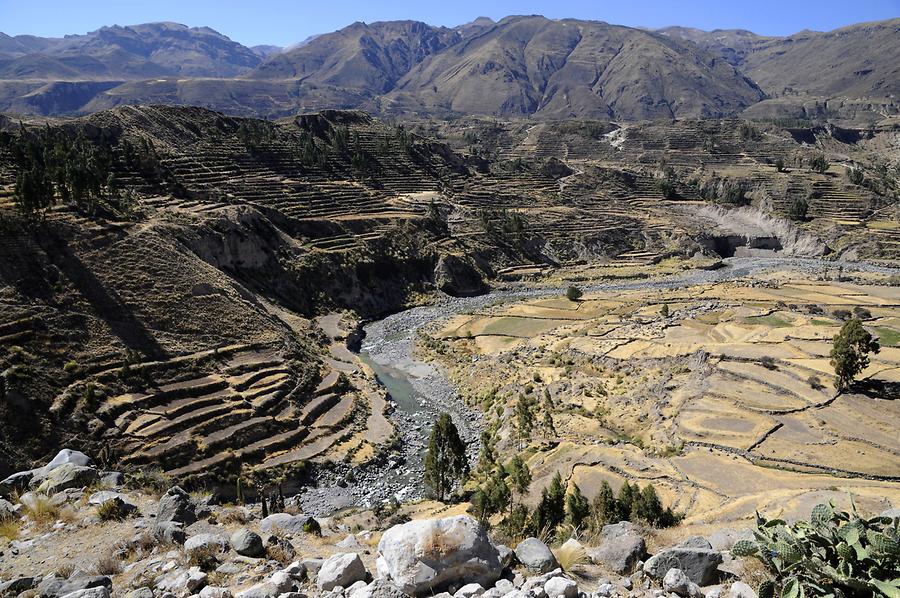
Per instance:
{"type": "Point", "coordinates": [40, 510]}
{"type": "Point", "coordinates": [819, 164]}
{"type": "Point", "coordinates": [850, 353]}
{"type": "Point", "coordinates": [109, 511]}
{"type": "Point", "coordinates": [779, 164]}
{"type": "Point", "coordinates": [798, 209]}
{"type": "Point", "coordinates": [573, 293]}
{"type": "Point", "coordinates": [108, 564]}
{"type": "Point", "coordinates": [835, 553]}
{"type": "Point", "coordinates": [856, 176]}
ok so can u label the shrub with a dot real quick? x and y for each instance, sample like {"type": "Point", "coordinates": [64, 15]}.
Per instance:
{"type": "Point", "coordinates": [779, 164]}
{"type": "Point", "coordinates": [573, 293]}
{"type": "Point", "coordinates": [109, 511]}
{"type": "Point", "coordinates": [798, 209]}
{"type": "Point", "coordinates": [40, 510]}
{"type": "Point", "coordinates": [768, 362]}
{"type": "Point", "coordinates": [570, 555]}
{"type": "Point", "coordinates": [819, 164]}
{"type": "Point", "coordinates": [9, 528]}
{"type": "Point", "coordinates": [664, 310]}
{"type": "Point", "coordinates": [856, 176]}
{"type": "Point", "coordinates": [108, 564]}
{"type": "Point", "coordinates": [835, 553]}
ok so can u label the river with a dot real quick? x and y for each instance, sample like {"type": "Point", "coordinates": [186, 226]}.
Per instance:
{"type": "Point", "coordinates": [420, 391]}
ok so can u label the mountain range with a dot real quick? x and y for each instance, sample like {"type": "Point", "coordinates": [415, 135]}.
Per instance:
{"type": "Point", "coordinates": [519, 66]}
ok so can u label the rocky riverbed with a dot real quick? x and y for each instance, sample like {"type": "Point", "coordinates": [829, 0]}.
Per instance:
{"type": "Point", "coordinates": [420, 391]}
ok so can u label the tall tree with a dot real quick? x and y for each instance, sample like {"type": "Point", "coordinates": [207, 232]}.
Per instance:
{"type": "Point", "coordinates": [577, 507]}
{"type": "Point", "coordinates": [850, 353]}
{"type": "Point", "coordinates": [604, 509]}
{"type": "Point", "coordinates": [524, 418]}
{"type": "Point", "coordinates": [445, 461]}
{"type": "Point", "coordinates": [551, 511]}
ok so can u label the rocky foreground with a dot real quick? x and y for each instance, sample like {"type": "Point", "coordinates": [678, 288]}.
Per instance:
{"type": "Point", "coordinates": [78, 532]}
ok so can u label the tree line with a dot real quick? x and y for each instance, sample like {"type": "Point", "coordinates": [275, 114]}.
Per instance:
{"type": "Point", "coordinates": [501, 490]}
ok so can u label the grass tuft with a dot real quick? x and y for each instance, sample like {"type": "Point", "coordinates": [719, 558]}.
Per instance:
{"type": "Point", "coordinates": [41, 511]}
{"type": "Point", "coordinates": [570, 556]}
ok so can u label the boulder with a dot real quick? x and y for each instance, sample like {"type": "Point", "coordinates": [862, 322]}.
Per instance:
{"type": "Point", "coordinates": [723, 540]}
{"type": "Point", "coordinates": [207, 542]}
{"type": "Point", "coordinates": [112, 479]}
{"type": "Point", "coordinates": [699, 564]}
{"type": "Point", "coordinates": [56, 587]}
{"type": "Point", "coordinates": [470, 590]}
{"type": "Point", "coordinates": [741, 590]}
{"type": "Point", "coordinates": [17, 585]}
{"type": "Point", "coordinates": [66, 457]}
{"type": "Point", "coordinates": [247, 543]}
{"type": "Point", "coordinates": [170, 532]}
{"type": "Point", "coordinates": [557, 587]}
{"type": "Point", "coordinates": [176, 506]}
{"type": "Point", "coordinates": [380, 588]}
{"type": "Point", "coordinates": [343, 569]}
{"type": "Point", "coordinates": [214, 592]}
{"type": "Point", "coordinates": [65, 476]}
{"type": "Point", "coordinates": [279, 583]}
{"type": "Point", "coordinates": [349, 543]}
{"type": "Point", "coordinates": [285, 523]}
{"type": "Point", "coordinates": [889, 513]}
{"type": "Point", "coordinates": [696, 542]}
{"type": "Point", "coordinates": [17, 482]}
{"type": "Point", "coordinates": [427, 555]}
{"type": "Point", "coordinates": [535, 555]}
{"type": "Point", "coordinates": [100, 592]}
{"type": "Point", "coordinates": [115, 500]}
{"type": "Point", "coordinates": [182, 582]}
{"type": "Point", "coordinates": [677, 582]}
{"type": "Point", "coordinates": [312, 566]}
{"type": "Point", "coordinates": [144, 592]}
{"type": "Point", "coordinates": [620, 550]}
{"type": "Point", "coordinates": [458, 276]}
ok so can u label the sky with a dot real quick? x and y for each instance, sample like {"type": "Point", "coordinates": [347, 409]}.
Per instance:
{"type": "Point", "coordinates": [282, 22]}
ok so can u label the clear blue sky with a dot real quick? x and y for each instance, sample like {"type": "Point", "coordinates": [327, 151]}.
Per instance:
{"type": "Point", "coordinates": [281, 22]}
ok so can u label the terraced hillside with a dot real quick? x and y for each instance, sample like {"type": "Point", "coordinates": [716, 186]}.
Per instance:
{"type": "Point", "coordinates": [168, 313]}
{"type": "Point", "coordinates": [725, 399]}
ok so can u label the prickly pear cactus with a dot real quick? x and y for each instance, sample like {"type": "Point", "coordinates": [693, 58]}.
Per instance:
{"type": "Point", "coordinates": [835, 553]}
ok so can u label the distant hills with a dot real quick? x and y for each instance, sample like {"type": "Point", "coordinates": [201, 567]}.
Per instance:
{"type": "Point", "coordinates": [519, 66]}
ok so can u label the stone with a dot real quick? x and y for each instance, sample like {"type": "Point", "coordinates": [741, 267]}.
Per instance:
{"type": "Point", "coordinates": [470, 590]}
{"type": "Point", "coordinates": [215, 592]}
{"type": "Point", "coordinates": [176, 505]}
{"type": "Point", "coordinates": [605, 589]}
{"type": "Point", "coordinates": [699, 564]}
{"type": "Point", "coordinates": [247, 543]}
{"type": "Point", "coordinates": [312, 566]}
{"type": "Point", "coordinates": [54, 587]}
{"type": "Point", "coordinates": [140, 593]}
{"type": "Point", "coordinates": [108, 497]}
{"type": "Point", "coordinates": [535, 555]}
{"type": "Point", "coordinates": [8, 510]}
{"type": "Point", "coordinates": [561, 586]}
{"type": "Point", "coordinates": [112, 479]}
{"type": "Point", "coordinates": [182, 582]}
{"type": "Point", "coordinates": [99, 592]}
{"type": "Point", "coordinates": [723, 540]}
{"type": "Point", "coordinates": [17, 585]}
{"type": "Point", "coordinates": [458, 276]}
{"type": "Point", "coordinates": [65, 457]}
{"type": "Point", "coordinates": [17, 482]}
{"type": "Point", "coordinates": [677, 582]}
{"type": "Point", "coordinates": [211, 542]}
{"type": "Point", "coordinates": [696, 542]}
{"type": "Point", "coordinates": [196, 580]}
{"type": "Point", "coordinates": [507, 556]}
{"type": "Point", "coordinates": [620, 549]}
{"type": "Point", "coordinates": [343, 569]}
{"type": "Point", "coordinates": [380, 588]}
{"type": "Point", "coordinates": [171, 532]}
{"type": "Point", "coordinates": [65, 476]}
{"type": "Point", "coordinates": [350, 542]}
{"type": "Point", "coordinates": [504, 585]}
{"type": "Point", "coordinates": [428, 555]}
{"type": "Point", "coordinates": [740, 589]}
{"type": "Point", "coordinates": [285, 523]}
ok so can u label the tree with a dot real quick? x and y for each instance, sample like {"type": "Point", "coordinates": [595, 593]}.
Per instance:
{"type": "Point", "coordinates": [487, 458]}
{"type": "Point", "coordinates": [519, 474]}
{"type": "Point", "coordinates": [797, 209]}
{"type": "Point", "coordinates": [626, 499]}
{"type": "Point", "coordinates": [856, 176]}
{"type": "Point", "coordinates": [664, 310]}
{"type": "Point", "coordinates": [573, 293]}
{"type": "Point", "coordinates": [604, 509]}
{"type": "Point", "coordinates": [819, 164]}
{"type": "Point", "coordinates": [779, 164]}
{"type": "Point", "coordinates": [551, 511]}
{"type": "Point", "coordinates": [850, 352]}
{"type": "Point", "coordinates": [445, 461]}
{"type": "Point", "coordinates": [491, 497]}
{"type": "Point", "coordinates": [577, 507]}
{"type": "Point", "coordinates": [524, 417]}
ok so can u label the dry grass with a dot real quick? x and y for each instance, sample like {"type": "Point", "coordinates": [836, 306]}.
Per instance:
{"type": "Point", "coordinates": [570, 556]}
{"type": "Point", "coordinates": [109, 511]}
{"type": "Point", "coordinates": [9, 528]}
{"type": "Point", "coordinates": [233, 516]}
{"type": "Point", "coordinates": [108, 564]}
{"type": "Point", "coordinates": [205, 558]}
{"type": "Point", "coordinates": [65, 571]}
{"type": "Point", "coordinates": [754, 573]}
{"type": "Point", "coordinates": [41, 511]}
{"type": "Point", "coordinates": [68, 515]}
{"type": "Point", "coordinates": [282, 554]}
